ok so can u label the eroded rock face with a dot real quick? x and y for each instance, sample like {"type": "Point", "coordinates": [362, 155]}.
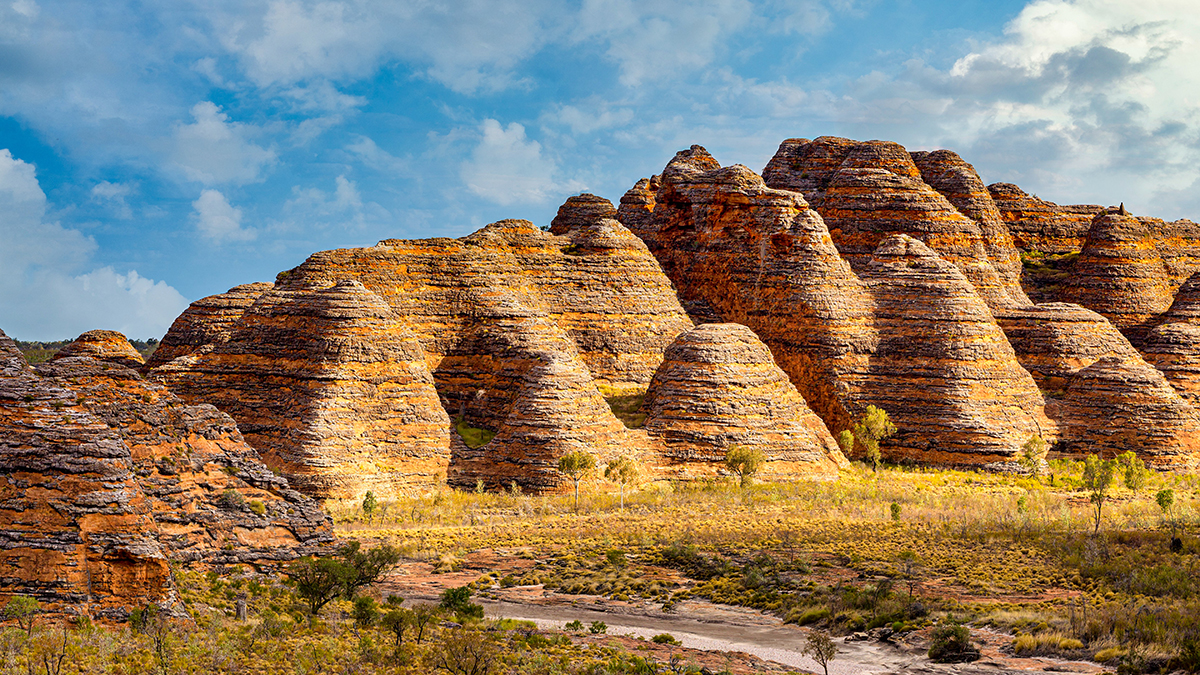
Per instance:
{"type": "Point", "coordinates": [1120, 275]}
{"type": "Point", "coordinates": [877, 190]}
{"type": "Point", "coordinates": [1116, 405]}
{"type": "Point", "coordinates": [1039, 225]}
{"type": "Point", "coordinates": [109, 476]}
{"type": "Point", "coordinates": [103, 345]}
{"type": "Point", "coordinates": [718, 387]}
{"type": "Point", "coordinates": [331, 387]}
{"type": "Point", "coordinates": [944, 370]}
{"type": "Point", "coordinates": [206, 323]}
{"type": "Point", "coordinates": [745, 253]}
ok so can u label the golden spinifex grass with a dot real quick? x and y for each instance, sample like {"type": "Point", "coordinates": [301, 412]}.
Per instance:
{"type": "Point", "coordinates": [1016, 552]}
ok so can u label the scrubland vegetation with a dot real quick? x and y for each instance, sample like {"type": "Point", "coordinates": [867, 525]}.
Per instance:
{"type": "Point", "coordinates": [907, 549]}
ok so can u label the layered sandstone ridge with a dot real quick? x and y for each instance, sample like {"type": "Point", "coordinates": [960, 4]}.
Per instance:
{"type": "Point", "coordinates": [1038, 225]}
{"type": "Point", "coordinates": [718, 387]}
{"type": "Point", "coordinates": [1173, 346]}
{"type": "Point", "coordinates": [110, 476]}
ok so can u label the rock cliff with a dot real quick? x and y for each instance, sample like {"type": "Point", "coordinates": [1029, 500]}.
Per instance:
{"type": "Point", "coordinates": [1173, 346]}
{"type": "Point", "coordinates": [103, 345]}
{"type": "Point", "coordinates": [718, 387]}
{"type": "Point", "coordinates": [1039, 225]}
{"type": "Point", "coordinates": [109, 476]}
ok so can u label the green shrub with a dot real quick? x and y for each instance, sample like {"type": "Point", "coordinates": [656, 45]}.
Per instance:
{"type": "Point", "coordinates": [258, 507]}
{"type": "Point", "coordinates": [951, 644]}
{"type": "Point", "coordinates": [665, 639]}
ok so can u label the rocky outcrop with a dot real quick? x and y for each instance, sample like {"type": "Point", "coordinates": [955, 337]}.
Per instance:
{"type": "Point", "coordinates": [206, 323]}
{"type": "Point", "coordinates": [103, 345]}
{"type": "Point", "coordinates": [742, 252]}
{"type": "Point", "coordinates": [719, 387]}
{"type": "Point", "coordinates": [483, 313]}
{"type": "Point", "coordinates": [957, 181]}
{"type": "Point", "coordinates": [1120, 275]}
{"type": "Point", "coordinates": [109, 476]}
{"type": "Point", "coordinates": [1173, 346]}
{"type": "Point", "coordinates": [876, 191]}
{"type": "Point", "coordinates": [1039, 225]}
{"type": "Point", "coordinates": [943, 369]}
{"type": "Point", "coordinates": [1117, 405]}
{"type": "Point", "coordinates": [331, 387]}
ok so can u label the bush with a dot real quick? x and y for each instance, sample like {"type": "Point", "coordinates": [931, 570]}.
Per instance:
{"type": "Point", "coordinates": [458, 600]}
{"type": "Point", "coordinates": [258, 507]}
{"type": "Point", "coordinates": [366, 611]}
{"type": "Point", "coordinates": [665, 639]}
{"type": "Point", "coordinates": [812, 615]}
{"type": "Point", "coordinates": [952, 644]}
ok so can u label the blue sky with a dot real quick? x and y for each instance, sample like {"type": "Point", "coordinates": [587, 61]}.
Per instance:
{"type": "Point", "coordinates": [152, 153]}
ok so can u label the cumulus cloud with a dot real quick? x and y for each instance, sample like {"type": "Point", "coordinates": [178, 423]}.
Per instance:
{"type": "Point", "coordinates": [506, 167]}
{"type": "Point", "coordinates": [313, 208]}
{"type": "Point", "coordinates": [44, 292]}
{"type": "Point", "coordinates": [212, 150]}
{"type": "Point", "coordinates": [114, 195]}
{"type": "Point", "coordinates": [217, 220]}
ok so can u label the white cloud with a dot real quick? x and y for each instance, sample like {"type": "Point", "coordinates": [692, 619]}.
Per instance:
{"type": "Point", "coordinates": [467, 45]}
{"type": "Point", "coordinates": [212, 150]}
{"type": "Point", "coordinates": [508, 168]}
{"type": "Point", "coordinates": [657, 39]}
{"type": "Point", "coordinates": [369, 153]}
{"type": "Point", "coordinates": [114, 194]}
{"type": "Point", "coordinates": [43, 294]}
{"type": "Point", "coordinates": [589, 118]}
{"type": "Point", "coordinates": [217, 220]}
{"type": "Point", "coordinates": [312, 208]}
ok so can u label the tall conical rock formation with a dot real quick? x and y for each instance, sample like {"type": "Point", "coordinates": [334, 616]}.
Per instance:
{"type": "Point", "coordinates": [739, 251]}
{"type": "Point", "coordinates": [877, 190]}
{"type": "Point", "coordinates": [1173, 346]}
{"type": "Point", "coordinates": [330, 386]}
{"type": "Point", "coordinates": [944, 370]}
{"type": "Point", "coordinates": [718, 387]}
{"type": "Point", "coordinates": [103, 345]}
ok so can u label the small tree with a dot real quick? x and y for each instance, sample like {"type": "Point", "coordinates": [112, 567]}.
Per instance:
{"type": "Point", "coordinates": [820, 648]}
{"type": "Point", "coordinates": [1134, 471]}
{"type": "Point", "coordinates": [396, 621]}
{"type": "Point", "coordinates": [467, 652]}
{"type": "Point", "coordinates": [1033, 455]}
{"type": "Point", "coordinates": [423, 614]}
{"type": "Point", "coordinates": [576, 465]}
{"type": "Point", "coordinates": [366, 611]}
{"type": "Point", "coordinates": [319, 580]}
{"type": "Point", "coordinates": [873, 429]}
{"type": "Point", "coordinates": [910, 570]}
{"type": "Point", "coordinates": [744, 462]}
{"type": "Point", "coordinates": [458, 600]}
{"type": "Point", "coordinates": [1165, 500]}
{"type": "Point", "coordinates": [623, 470]}
{"type": "Point", "coordinates": [369, 503]}
{"type": "Point", "coordinates": [366, 567]}
{"type": "Point", "coordinates": [24, 609]}
{"type": "Point", "coordinates": [1098, 477]}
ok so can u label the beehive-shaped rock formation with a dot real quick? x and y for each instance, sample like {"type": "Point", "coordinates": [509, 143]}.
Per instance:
{"type": "Point", "coordinates": [876, 191]}
{"type": "Point", "coordinates": [1117, 405]}
{"type": "Point", "coordinates": [741, 252]}
{"type": "Point", "coordinates": [1120, 275]}
{"type": "Point", "coordinates": [1173, 346]}
{"type": "Point", "coordinates": [944, 370]}
{"type": "Point", "coordinates": [104, 345]}
{"type": "Point", "coordinates": [206, 323]}
{"type": "Point", "coordinates": [1039, 225]}
{"type": "Point", "coordinates": [719, 387]}
{"type": "Point", "coordinates": [331, 387]}
{"type": "Point", "coordinates": [109, 476]}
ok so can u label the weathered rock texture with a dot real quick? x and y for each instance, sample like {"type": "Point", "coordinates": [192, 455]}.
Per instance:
{"type": "Point", "coordinates": [919, 341]}
{"type": "Point", "coordinates": [742, 252]}
{"type": "Point", "coordinates": [108, 476]}
{"type": "Point", "coordinates": [487, 315]}
{"type": "Point", "coordinates": [332, 388]}
{"type": "Point", "coordinates": [206, 323]}
{"type": "Point", "coordinates": [1039, 225]}
{"type": "Point", "coordinates": [944, 370]}
{"type": "Point", "coordinates": [877, 190]}
{"type": "Point", "coordinates": [103, 345]}
{"type": "Point", "coordinates": [1173, 346]}
{"type": "Point", "coordinates": [1121, 275]}
{"type": "Point", "coordinates": [718, 387]}
{"type": "Point", "coordinates": [1116, 405]}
